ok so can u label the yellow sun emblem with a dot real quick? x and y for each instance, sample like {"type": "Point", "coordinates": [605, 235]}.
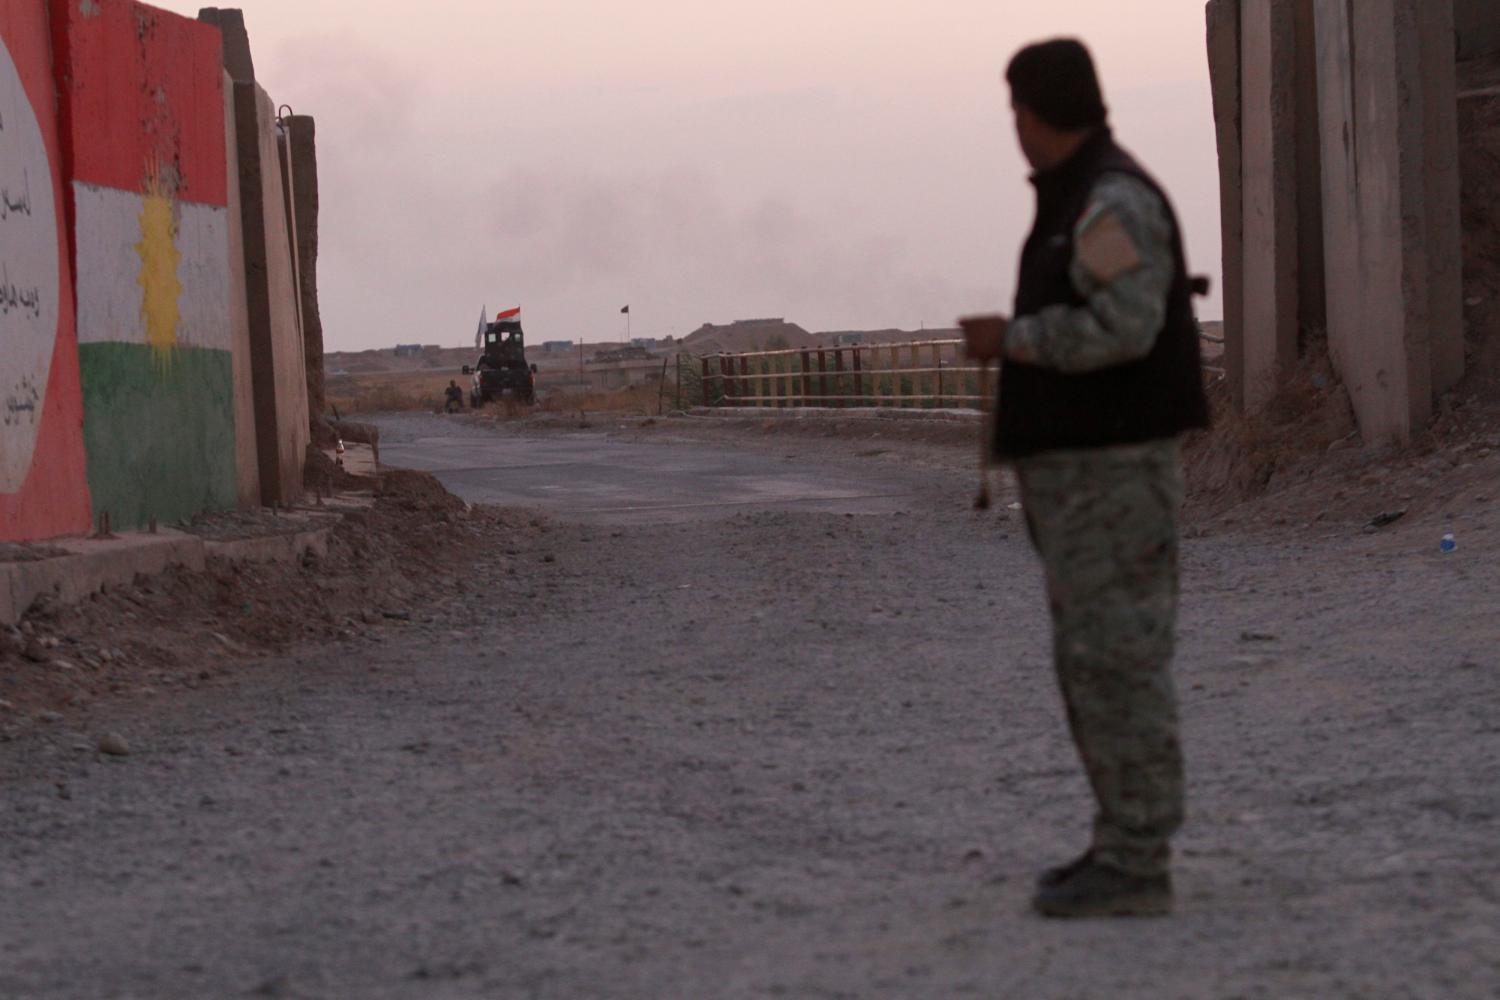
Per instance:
{"type": "Point", "coordinates": [160, 310]}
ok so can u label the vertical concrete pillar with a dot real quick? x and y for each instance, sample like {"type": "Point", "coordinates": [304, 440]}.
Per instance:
{"type": "Point", "coordinates": [1312, 293]}
{"type": "Point", "coordinates": [277, 374]}
{"type": "Point", "coordinates": [1386, 218]}
{"type": "Point", "coordinates": [303, 137]}
{"type": "Point", "coordinates": [247, 460]}
{"type": "Point", "coordinates": [1224, 71]}
{"type": "Point", "coordinates": [1444, 183]}
{"type": "Point", "coordinates": [1268, 40]}
{"type": "Point", "coordinates": [282, 430]}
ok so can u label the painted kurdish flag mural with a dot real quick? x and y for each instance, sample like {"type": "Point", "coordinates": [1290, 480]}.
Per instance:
{"type": "Point", "coordinates": [143, 101]}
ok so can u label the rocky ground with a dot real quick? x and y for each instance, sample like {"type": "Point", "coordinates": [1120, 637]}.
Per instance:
{"type": "Point", "coordinates": [783, 754]}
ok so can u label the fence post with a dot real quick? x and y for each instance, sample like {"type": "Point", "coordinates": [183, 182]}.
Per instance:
{"type": "Point", "coordinates": [937, 358]}
{"type": "Point", "coordinates": [838, 379]}
{"type": "Point", "coordinates": [822, 377]}
{"type": "Point", "coordinates": [806, 368]}
{"type": "Point", "coordinates": [706, 400]}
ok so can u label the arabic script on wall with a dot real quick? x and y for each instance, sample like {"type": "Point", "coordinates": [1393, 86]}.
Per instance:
{"type": "Point", "coordinates": [29, 279]}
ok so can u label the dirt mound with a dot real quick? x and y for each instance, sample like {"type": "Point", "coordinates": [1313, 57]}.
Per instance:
{"type": "Point", "coordinates": [415, 546]}
{"type": "Point", "coordinates": [417, 492]}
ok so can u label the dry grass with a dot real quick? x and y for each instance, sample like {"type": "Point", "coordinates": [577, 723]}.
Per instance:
{"type": "Point", "coordinates": [640, 400]}
{"type": "Point", "coordinates": [386, 392]}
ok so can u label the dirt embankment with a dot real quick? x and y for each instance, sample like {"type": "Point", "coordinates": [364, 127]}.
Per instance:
{"type": "Point", "coordinates": [412, 549]}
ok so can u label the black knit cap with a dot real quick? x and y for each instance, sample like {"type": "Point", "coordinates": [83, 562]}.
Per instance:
{"type": "Point", "coordinates": [1057, 82]}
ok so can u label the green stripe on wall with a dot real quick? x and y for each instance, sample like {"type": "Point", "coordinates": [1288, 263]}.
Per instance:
{"type": "Point", "coordinates": [160, 438]}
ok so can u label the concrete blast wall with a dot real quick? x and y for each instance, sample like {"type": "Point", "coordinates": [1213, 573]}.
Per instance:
{"type": "Point", "coordinates": [1477, 23]}
{"type": "Point", "coordinates": [1337, 127]}
{"type": "Point", "coordinates": [302, 140]}
{"type": "Point", "coordinates": [43, 483]}
{"type": "Point", "coordinates": [1225, 70]}
{"type": "Point", "coordinates": [142, 101]}
{"type": "Point", "coordinates": [1268, 88]}
{"type": "Point", "coordinates": [277, 364]}
{"type": "Point", "coordinates": [1265, 107]}
{"type": "Point", "coordinates": [1390, 195]}
{"type": "Point", "coordinates": [247, 455]}
{"type": "Point", "coordinates": [277, 356]}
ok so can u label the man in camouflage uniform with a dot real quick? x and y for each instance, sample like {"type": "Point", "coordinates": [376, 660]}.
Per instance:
{"type": "Point", "coordinates": [1100, 375]}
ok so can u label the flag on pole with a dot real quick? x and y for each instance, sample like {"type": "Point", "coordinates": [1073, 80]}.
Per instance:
{"type": "Point", "coordinates": [625, 311]}
{"type": "Point", "coordinates": [508, 314]}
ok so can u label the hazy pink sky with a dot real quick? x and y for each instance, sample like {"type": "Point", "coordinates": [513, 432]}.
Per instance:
{"type": "Point", "coordinates": [842, 164]}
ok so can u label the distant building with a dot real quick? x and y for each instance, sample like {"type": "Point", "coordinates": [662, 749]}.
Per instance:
{"type": "Point", "coordinates": [556, 346]}
{"type": "Point", "coordinates": [408, 350]}
{"type": "Point", "coordinates": [850, 338]}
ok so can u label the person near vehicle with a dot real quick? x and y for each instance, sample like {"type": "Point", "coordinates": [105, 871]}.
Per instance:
{"type": "Point", "coordinates": [1100, 375]}
{"type": "Point", "coordinates": [455, 397]}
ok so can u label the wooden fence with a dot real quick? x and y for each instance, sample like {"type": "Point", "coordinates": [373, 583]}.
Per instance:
{"type": "Point", "coordinates": [932, 374]}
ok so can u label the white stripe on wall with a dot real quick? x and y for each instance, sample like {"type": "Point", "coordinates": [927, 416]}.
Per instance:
{"type": "Point", "coordinates": [109, 292]}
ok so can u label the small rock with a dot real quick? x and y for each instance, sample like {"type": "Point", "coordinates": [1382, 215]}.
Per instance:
{"type": "Point", "coordinates": [1257, 637]}
{"type": "Point", "coordinates": [35, 652]}
{"type": "Point", "coordinates": [62, 664]}
{"type": "Point", "coordinates": [49, 716]}
{"type": "Point", "coordinates": [114, 745]}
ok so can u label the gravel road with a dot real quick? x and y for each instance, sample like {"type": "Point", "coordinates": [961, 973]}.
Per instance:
{"type": "Point", "coordinates": [778, 752]}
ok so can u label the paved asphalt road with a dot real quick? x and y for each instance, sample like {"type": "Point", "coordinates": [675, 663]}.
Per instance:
{"type": "Point", "coordinates": [590, 477]}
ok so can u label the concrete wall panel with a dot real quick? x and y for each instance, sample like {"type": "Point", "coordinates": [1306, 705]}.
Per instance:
{"type": "Point", "coordinates": [43, 482]}
{"type": "Point", "coordinates": [247, 459]}
{"type": "Point", "coordinates": [1269, 177]}
{"type": "Point", "coordinates": [303, 137]}
{"type": "Point", "coordinates": [1445, 265]}
{"type": "Point", "coordinates": [143, 105]}
{"type": "Point", "coordinates": [1224, 66]}
{"type": "Point", "coordinates": [1312, 293]}
{"type": "Point", "coordinates": [1478, 28]}
{"type": "Point", "coordinates": [277, 355]}
{"type": "Point", "coordinates": [1344, 234]}
{"type": "Point", "coordinates": [1389, 175]}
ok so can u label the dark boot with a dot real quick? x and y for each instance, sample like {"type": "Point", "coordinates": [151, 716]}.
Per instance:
{"type": "Point", "coordinates": [1060, 874]}
{"type": "Point", "coordinates": [1097, 890]}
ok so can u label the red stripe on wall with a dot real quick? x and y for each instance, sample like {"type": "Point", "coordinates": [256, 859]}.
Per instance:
{"type": "Point", "coordinates": [144, 87]}
{"type": "Point", "coordinates": [54, 500]}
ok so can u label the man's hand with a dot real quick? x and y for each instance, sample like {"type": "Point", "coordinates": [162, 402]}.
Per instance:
{"type": "Point", "coordinates": [984, 337]}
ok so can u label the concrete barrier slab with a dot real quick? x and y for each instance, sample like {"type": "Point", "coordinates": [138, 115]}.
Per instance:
{"type": "Point", "coordinates": [92, 565]}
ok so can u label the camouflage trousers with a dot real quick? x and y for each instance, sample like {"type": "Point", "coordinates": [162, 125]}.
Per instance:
{"type": "Point", "coordinates": [1104, 522]}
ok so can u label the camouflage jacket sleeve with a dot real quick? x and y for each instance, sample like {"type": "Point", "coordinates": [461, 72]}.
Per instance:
{"type": "Point", "coordinates": [1123, 267]}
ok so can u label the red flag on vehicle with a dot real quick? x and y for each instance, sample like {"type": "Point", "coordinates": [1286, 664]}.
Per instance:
{"type": "Point", "coordinates": [508, 314]}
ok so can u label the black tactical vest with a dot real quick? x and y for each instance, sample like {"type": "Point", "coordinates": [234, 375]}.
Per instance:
{"type": "Point", "coordinates": [1159, 396]}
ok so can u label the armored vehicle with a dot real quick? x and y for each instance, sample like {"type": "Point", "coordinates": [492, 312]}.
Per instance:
{"type": "Point", "coordinates": [502, 368]}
